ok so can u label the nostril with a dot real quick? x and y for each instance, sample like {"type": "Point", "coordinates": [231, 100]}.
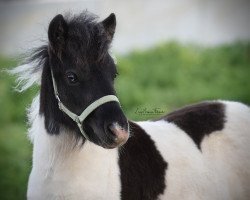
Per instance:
{"type": "Point", "coordinates": [110, 129]}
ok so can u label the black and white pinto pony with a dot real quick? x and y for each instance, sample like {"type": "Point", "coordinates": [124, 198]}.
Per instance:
{"type": "Point", "coordinates": [199, 152]}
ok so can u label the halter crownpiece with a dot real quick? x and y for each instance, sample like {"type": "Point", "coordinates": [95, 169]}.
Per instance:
{"type": "Point", "coordinates": [79, 119]}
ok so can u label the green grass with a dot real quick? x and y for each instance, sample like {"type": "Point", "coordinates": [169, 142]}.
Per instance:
{"type": "Point", "coordinates": [165, 77]}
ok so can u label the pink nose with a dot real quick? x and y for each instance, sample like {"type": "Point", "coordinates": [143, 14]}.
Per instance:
{"type": "Point", "coordinates": [121, 135]}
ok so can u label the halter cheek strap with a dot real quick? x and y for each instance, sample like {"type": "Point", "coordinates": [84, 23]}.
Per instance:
{"type": "Point", "coordinates": [79, 119]}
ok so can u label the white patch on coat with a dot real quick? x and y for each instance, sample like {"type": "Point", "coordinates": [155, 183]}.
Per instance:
{"type": "Point", "coordinates": [187, 176]}
{"type": "Point", "coordinates": [62, 171]}
{"type": "Point", "coordinates": [229, 151]}
{"type": "Point", "coordinates": [220, 171]}
{"type": "Point", "coordinates": [33, 112]}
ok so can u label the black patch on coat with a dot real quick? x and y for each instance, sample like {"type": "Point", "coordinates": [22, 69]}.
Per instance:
{"type": "Point", "coordinates": [142, 167]}
{"type": "Point", "coordinates": [199, 120]}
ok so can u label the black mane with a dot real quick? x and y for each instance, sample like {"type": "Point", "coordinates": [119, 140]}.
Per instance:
{"type": "Point", "coordinates": [84, 28]}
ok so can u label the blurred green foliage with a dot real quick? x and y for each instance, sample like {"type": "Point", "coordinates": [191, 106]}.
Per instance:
{"type": "Point", "coordinates": [165, 77]}
{"type": "Point", "coordinates": [15, 149]}
{"type": "Point", "coordinates": [173, 75]}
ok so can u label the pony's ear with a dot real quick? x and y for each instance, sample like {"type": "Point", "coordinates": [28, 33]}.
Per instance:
{"type": "Point", "coordinates": [57, 33]}
{"type": "Point", "coordinates": [109, 25]}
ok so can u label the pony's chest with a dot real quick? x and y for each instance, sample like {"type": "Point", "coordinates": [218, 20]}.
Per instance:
{"type": "Point", "coordinates": [89, 184]}
{"type": "Point", "coordinates": [79, 177]}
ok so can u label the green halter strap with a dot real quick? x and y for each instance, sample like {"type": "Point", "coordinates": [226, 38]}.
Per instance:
{"type": "Point", "coordinates": [86, 112]}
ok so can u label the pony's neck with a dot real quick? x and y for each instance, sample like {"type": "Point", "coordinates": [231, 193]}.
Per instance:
{"type": "Point", "coordinates": [61, 167]}
{"type": "Point", "coordinates": [50, 151]}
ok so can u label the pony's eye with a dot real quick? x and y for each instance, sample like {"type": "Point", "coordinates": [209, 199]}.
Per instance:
{"type": "Point", "coordinates": [72, 77]}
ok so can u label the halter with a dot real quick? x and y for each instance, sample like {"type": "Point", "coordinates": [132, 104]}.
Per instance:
{"type": "Point", "coordinates": [79, 119]}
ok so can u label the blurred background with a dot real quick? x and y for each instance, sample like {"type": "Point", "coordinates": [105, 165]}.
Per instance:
{"type": "Point", "coordinates": [170, 53]}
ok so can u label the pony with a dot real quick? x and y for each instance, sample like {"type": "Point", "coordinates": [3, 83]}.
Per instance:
{"type": "Point", "coordinates": [85, 148]}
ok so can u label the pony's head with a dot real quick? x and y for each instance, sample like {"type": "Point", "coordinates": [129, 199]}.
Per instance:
{"type": "Point", "coordinates": [77, 55]}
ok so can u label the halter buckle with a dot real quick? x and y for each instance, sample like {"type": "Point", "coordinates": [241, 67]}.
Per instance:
{"type": "Point", "coordinates": [58, 99]}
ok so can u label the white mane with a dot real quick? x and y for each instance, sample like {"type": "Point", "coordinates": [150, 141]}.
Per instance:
{"type": "Point", "coordinates": [27, 75]}
{"type": "Point", "coordinates": [30, 73]}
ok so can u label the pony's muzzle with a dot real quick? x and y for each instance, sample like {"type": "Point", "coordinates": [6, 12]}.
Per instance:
{"type": "Point", "coordinates": [119, 134]}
